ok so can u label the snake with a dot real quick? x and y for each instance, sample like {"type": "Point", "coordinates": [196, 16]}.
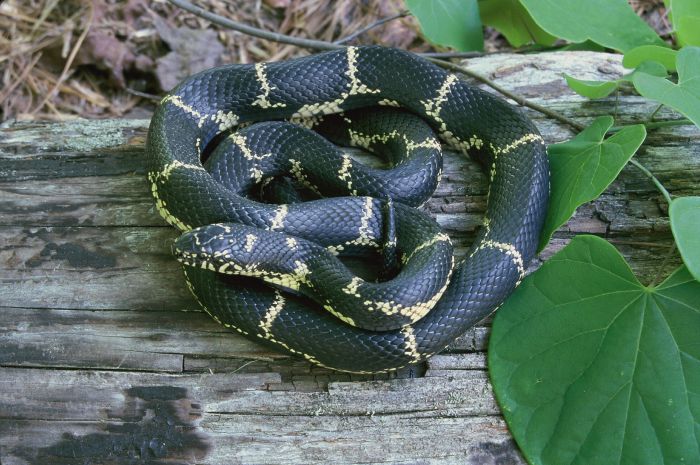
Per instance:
{"type": "Point", "coordinates": [272, 272]}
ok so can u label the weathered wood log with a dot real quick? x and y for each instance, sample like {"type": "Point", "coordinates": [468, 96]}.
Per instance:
{"type": "Point", "coordinates": [105, 357]}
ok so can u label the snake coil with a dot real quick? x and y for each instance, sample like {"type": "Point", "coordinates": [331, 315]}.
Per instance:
{"type": "Point", "coordinates": [226, 233]}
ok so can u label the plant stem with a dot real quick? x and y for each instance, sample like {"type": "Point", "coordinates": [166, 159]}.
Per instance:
{"type": "Point", "coordinates": [254, 31]}
{"type": "Point", "coordinates": [673, 122]}
{"type": "Point", "coordinates": [517, 98]}
{"type": "Point", "coordinates": [650, 118]}
{"type": "Point", "coordinates": [323, 45]}
{"type": "Point", "coordinates": [448, 55]}
{"type": "Point", "coordinates": [654, 179]}
{"type": "Point", "coordinates": [639, 243]}
{"type": "Point", "coordinates": [657, 124]}
{"type": "Point", "coordinates": [521, 50]}
{"type": "Point", "coordinates": [659, 270]}
{"type": "Point", "coordinates": [379, 22]}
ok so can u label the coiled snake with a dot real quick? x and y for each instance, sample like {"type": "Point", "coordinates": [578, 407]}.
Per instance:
{"type": "Point", "coordinates": [354, 325]}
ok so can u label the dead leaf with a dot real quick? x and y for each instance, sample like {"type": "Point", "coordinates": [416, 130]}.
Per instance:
{"type": "Point", "coordinates": [191, 51]}
{"type": "Point", "coordinates": [104, 50]}
{"type": "Point", "coordinates": [108, 53]}
{"type": "Point", "coordinates": [279, 3]}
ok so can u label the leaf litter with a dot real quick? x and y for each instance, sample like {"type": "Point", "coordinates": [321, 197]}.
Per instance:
{"type": "Point", "coordinates": [62, 59]}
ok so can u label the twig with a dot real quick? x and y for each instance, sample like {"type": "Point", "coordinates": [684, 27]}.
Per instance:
{"type": "Point", "coordinates": [435, 58]}
{"type": "Point", "coordinates": [69, 61]}
{"type": "Point", "coordinates": [254, 31]}
{"type": "Point", "coordinates": [654, 179]}
{"type": "Point", "coordinates": [244, 365]}
{"type": "Point", "coordinates": [657, 124]}
{"type": "Point", "coordinates": [639, 243]}
{"type": "Point", "coordinates": [663, 265]}
{"type": "Point", "coordinates": [145, 95]}
{"type": "Point", "coordinates": [323, 45]}
{"type": "Point", "coordinates": [377, 23]}
{"type": "Point", "coordinates": [517, 98]}
{"type": "Point", "coordinates": [650, 118]}
{"type": "Point", "coordinates": [673, 122]}
{"type": "Point", "coordinates": [22, 76]}
{"type": "Point", "coordinates": [448, 55]}
{"type": "Point", "coordinates": [519, 50]}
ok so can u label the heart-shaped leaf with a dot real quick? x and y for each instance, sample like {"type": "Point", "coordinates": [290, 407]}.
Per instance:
{"type": "Point", "coordinates": [454, 23]}
{"type": "Point", "coordinates": [685, 224]}
{"type": "Point", "coordinates": [583, 167]}
{"type": "Point", "coordinates": [663, 55]}
{"type": "Point", "coordinates": [591, 89]}
{"type": "Point", "coordinates": [611, 23]}
{"type": "Point", "coordinates": [685, 16]}
{"type": "Point", "coordinates": [684, 96]}
{"type": "Point", "coordinates": [688, 29]}
{"type": "Point", "coordinates": [600, 89]}
{"type": "Point", "coordinates": [511, 19]}
{"type": "Point", "coordinates": [591, 367]}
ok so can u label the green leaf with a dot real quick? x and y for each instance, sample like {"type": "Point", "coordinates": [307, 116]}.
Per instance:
{"type": "Point", "coordinates": [684, 96]}
{"type": "Point", "coordinates": [653, 68]}
{"type": "Point", "coordinates": [591, 89]}
{"type": "Point", "coordinates": [688, 30]}
{"type": "Point", "coordinates": [592, 368]}
{"type": "Point", "coordinates": [453, 23]}
{"type": "Point", "coordinates": [512, 20]}
{"type": "Point", "coordinates": [638, 55]}
{"type": "Point", "coordinates": [611, 23]}
{"type": "Point", "coordinates": [685, 224]}
{"type": "Point", "coordinates": [584, 46]}
{"type": "Point", "coordinates": [583, 167]}
{"type": "Point", "coordinates": [600, 89]}
{"type": "Point", "coordinates": [685, 16]}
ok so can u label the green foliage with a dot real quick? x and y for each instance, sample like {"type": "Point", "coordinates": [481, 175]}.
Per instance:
{"type": "Point", "coordinates": [684, 96]}
{"type": "Point", "coordinates": [587, 46]}
{"type": "Point", "coordinates": [685, 16]}
{"type": "Point", "coordinates": [512, 20]}
{"type": "Point", "coordinates": [611, 23]}
{"type": "Point", "coordinates": [638, 55]}
{"type": "Point", "coordinates": [685, 224]}
{"type": "Point", "coordinates": [588, 365]}
{"type": "Point", "coordinates": [591, 367]}
{"type": "Point", "coordinates": [584, 167]}
{"type": "Point", "coordinates": [591, 89]}
{"type": "Point", "coordinates": [600, 89]}
{"type": "Point", "coordinates": [454, 23]}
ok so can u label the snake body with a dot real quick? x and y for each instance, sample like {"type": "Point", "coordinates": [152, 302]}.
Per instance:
{"type": "Point", "coordinates": [224, 230]}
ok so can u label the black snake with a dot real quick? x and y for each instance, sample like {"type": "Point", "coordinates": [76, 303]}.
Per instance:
{"type": "Point", "coordinates": [293, 245]}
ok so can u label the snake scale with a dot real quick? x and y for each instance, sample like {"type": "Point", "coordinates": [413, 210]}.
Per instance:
{"type": "Point", "coordinates": [332, 317]}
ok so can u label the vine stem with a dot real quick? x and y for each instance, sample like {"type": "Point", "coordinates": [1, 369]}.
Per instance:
{"type": "Point", "coordinates": [513, 96]}
{"type": "Point", "coordinates": [656, 277]}
{"type": "Point", "coordinates": [673, 122]}
{"type": "Point", "coordinates": [650, 118]}
{"type": "Point", "coordinates": [530, 49]}
{"type": "Point", "coordinates": [254, 31]}
{"type": "Point", "coordinates": [653, 178]}
{"type": "Point", "coordinates": [377, 23]}
{"type": "Point", "coordinates": [657, 124]}
{"type": "Point", "coordinates": [323, 45]}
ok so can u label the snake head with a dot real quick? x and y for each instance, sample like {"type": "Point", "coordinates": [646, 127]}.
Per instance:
{"type": "Point", "coordinates": [203, 246]}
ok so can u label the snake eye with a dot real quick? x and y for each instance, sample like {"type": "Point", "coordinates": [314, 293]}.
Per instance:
{"type": "Point", "coordinates": [189, 247]}
{"type": "Point", "coordinates": [204, 243]}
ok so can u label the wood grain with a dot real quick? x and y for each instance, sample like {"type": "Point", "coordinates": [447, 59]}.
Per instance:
{"type": "Point", "coordinates": [106, 358]}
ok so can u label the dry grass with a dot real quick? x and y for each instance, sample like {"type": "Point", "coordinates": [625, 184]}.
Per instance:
{"type": "Point", "coordinates": [61, 59]}
{"type": "Point", "coordinates": [65, 58]}
{"type": "Point", "coordinates": [41, 59]}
